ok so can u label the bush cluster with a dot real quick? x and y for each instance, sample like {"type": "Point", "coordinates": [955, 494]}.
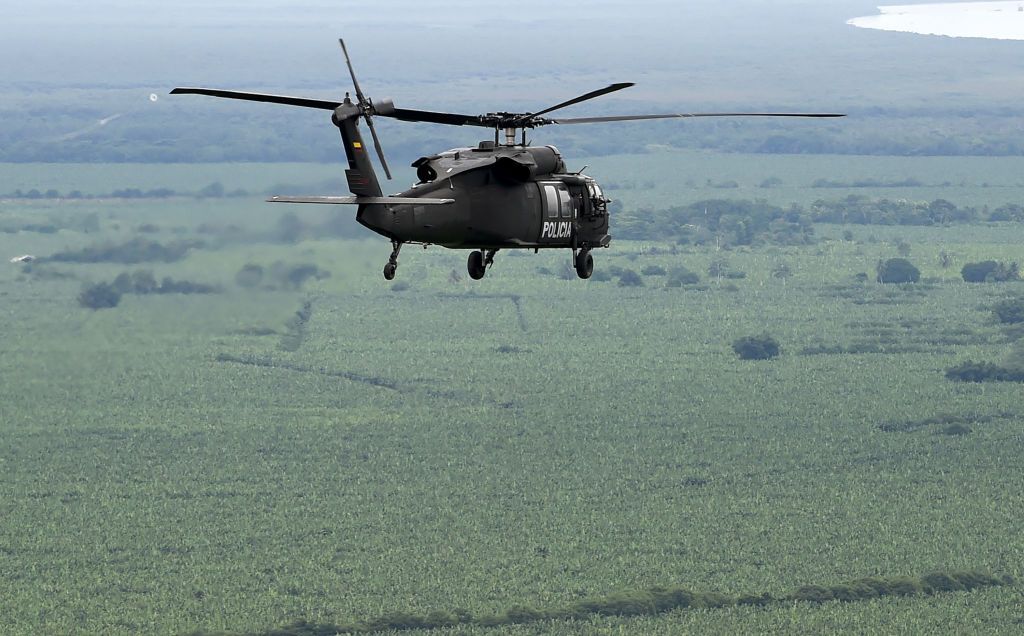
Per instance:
{"type": "Point", "coordinates": [1009, 312]}
{"type": "Point", "coordinates": [898, 270]}
{"type": "Point", "coordinates": [679, 276]}
{"type": "Point", "coordinates": [137, 250]}
{"type": "Point", "coordinates": [279, 274]}
{"type": "Point", "coordinates": [141, 282]}
{"type": "Point", "coordinates": [657, 600]}
{"type": "Point", "coordinates": [989, 272]}
{"type": "Point", "coordinates": [99, 296]}
{"type": "Point", "coordinates": [762, 347]}
{"type": "Point", "coordinates": [720, 221]}
{"type": "Point", "coordinates": [984, 372]}
{"type": "Point", "coordinates": [629, 278]}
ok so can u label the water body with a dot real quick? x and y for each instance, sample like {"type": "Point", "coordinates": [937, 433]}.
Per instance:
{"type": "Point", "coordinates": [989, 20]}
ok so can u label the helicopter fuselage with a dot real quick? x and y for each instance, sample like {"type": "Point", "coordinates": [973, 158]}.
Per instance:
{"type": "Point", "coordinates": [503, 197]}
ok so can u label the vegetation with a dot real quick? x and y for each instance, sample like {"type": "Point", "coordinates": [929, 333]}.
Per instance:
{"type": "Point", "coordinates": [984, 372]}
{"type": "Point", "coordinates": [657, 600]}
{"type": "Point", "coordinates": [898, 270]}
{"type": "Point", "coordinates": [989, 272]}
{"type": "Point", "coordinates": [680, 275]}
{"type": "Point", "coordinates": [1010, 312]}
{"type": "Point", "coordinates": [137, 250]}
{"type": "Point", "coordinates": [99, 296]}
{"type": "Point", "coordinates": [304, 447]}
{"type": "Point", "coordinates": [629, 278]}
{"type": "Point", "coordinates": [762, 347]}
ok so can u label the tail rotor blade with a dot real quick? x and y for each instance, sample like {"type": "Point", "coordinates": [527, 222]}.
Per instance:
{"type": "Point", "coordinates": [355, 82]}
{"type": "Point", "coordinates": [376, 144]}
{"type": "Point", "coordinates": [365, 106]}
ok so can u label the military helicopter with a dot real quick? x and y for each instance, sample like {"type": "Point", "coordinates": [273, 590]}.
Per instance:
{"type": "Point", "coordinates": [495, 196]}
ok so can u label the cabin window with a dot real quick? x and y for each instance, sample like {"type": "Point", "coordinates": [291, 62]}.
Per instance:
{"type": "Point", "coordinates": [551, 201]}
{"type": "Point", "coordinates": [565, 202]}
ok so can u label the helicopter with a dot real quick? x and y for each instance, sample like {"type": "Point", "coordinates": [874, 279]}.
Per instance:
{"type": "Point", "coordinates": [498, 195]}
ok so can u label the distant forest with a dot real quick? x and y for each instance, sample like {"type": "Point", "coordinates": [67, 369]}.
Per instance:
{"type": "Point", "coordinates": [257, 132]}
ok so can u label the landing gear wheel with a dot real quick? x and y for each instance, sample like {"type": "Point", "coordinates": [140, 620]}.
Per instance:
{"type": "Point", "coordinates": [584, 264]}
{"type": "Point", "coordinates": [476, 266]}
{"type": "Point", "coordinates": [392, 265]}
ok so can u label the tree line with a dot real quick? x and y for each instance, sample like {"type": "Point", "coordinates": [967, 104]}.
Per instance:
{"type": "Point", "coordinates": [746, 222]}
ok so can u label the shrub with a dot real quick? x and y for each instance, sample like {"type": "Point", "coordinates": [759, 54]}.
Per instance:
{"type": "Point", "coordinates": [250, 275]}
{"type": "Point", "coordinates": [956, 430]}
{"type": "Point", "coordinates": [137, 250]}
{"type": "Point", "coordinates": [629, 278]}
{"type": "Point", "coordinates": [782, 270]}
{"type": "Point", "coordinates": [718, 268]}
{"type": "Point", "coordinates": [762, 347]}
{"type": "Point", "coordinates": [295, 276]}
{"type": "Point", "coordinates": [99, 296]}
{"type": "Point", "coordinates": [989, 272]}
{"type": "Point", "coordinates": [984, 372]}
{"type": "Point", "coordinates": [138, 282]}
{"type": "Point", "coordinates": [759, 601]}
{"type": "Point", "coordinates": [679, 276]}
{"type": "Point", "coordinates": [898, 270]}
{"type": "Point", "coordinates": [1009, 311]}
{"type": "Point", "coordinates": [812, 594]}
{"type": "Point", "coordinates": [622, 604]}
{"type": "Point", "coordinates": [171, 286]}
{"type": "Point", "coordinates": [523, 614]}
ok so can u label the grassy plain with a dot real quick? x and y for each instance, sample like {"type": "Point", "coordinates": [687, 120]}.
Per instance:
{"type": "Point", "coordinates": [217, 462]}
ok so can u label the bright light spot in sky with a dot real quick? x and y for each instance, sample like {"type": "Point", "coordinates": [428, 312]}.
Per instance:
{"type": "Point", "coordinates": [153, 97]}
{"type": "Point", "coordinates": [990, 20]}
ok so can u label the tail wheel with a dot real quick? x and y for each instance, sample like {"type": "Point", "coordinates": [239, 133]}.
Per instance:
{"type": "Point", "coordinates": [584, 264]}
{"type": "Point", "coordinates": [475, 265]}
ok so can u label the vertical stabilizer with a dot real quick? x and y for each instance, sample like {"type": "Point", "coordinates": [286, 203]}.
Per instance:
{"type": "Point", "coordinates": [362, 180]}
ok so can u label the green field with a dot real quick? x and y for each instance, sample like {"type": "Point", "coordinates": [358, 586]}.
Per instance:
{"type": "Point", "coordinates": [347, 448]}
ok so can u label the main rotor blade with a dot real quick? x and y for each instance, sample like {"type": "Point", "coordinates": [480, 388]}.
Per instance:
{"type": "Point", "coordinates": [595, 120]}
{"type": "Point", "coordinates": [582, 98]}
{"type": "Point", "coordinates": [449, 119]}
{"type": "Point", "coordinates": [355, 82]}
{"type": "Point", "coordinates": [376, 144]}
{"type": "Point", "coordinates": [305, 102]}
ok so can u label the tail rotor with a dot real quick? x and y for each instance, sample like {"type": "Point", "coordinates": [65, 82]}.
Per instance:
{"type": "Point", "coordinates": [367, 107]}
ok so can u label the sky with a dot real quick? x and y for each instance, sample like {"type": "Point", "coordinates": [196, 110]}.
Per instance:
{"type": "Point", "coordinates": [987, 20]}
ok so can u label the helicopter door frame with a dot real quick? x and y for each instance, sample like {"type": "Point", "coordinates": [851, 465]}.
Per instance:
{"type": "Point", "coordinates": [558, 218]}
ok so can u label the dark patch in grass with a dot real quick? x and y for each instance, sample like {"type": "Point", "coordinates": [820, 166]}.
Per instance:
{"type": "Point", "coordinates": [515, 299]}
{"type": "Point", "coordinates": [295, 332]}
{"type": "Point", "coordinates": [862, 294]}
{"type": "Point", "coordinates": [370, 380]}
{"type": "Point", "coordinates": [984, 372]}
{"type": "Point", "coordinates": [269, 363]}
{"type": "Point", "coordinates": [941, 420]}
{"type": "Point", "coordinates": [957, 430]}
{"type": "Point", "coordinates": [655, 600]}
{"type": "Point", "coordinates": [508, 349]}
{"type": "Point", "coordinates": [137, 250]}
{"type": "Point", "coordinates": [905, 336]}
{"type": "Point", "coordinates": [255, 331]}
{"type": "Point", "coordinates": [1009, 312]}
{"type": "Point", "coordinates": [693, 482]}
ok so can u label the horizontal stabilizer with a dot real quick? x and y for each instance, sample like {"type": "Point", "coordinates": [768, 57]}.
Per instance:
{"type": "Point", "coordinates": [362, 200]}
